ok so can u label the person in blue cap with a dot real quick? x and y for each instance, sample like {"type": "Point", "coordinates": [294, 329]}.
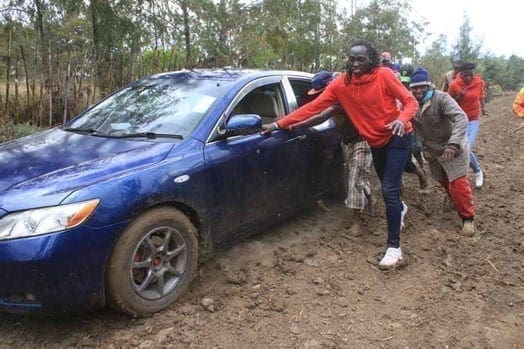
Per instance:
{"type": "Point", "coordinates": [405, 72]}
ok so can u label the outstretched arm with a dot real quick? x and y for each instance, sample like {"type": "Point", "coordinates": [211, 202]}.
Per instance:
{"type": "Point", "coordinates": [316, 119]}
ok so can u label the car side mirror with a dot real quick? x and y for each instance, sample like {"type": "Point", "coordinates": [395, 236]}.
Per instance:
{"type": "Point", "coordinates": [243, 124]}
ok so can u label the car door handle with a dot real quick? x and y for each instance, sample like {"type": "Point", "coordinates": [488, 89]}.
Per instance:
{"type": "Point", "coordinates": [297, 138]}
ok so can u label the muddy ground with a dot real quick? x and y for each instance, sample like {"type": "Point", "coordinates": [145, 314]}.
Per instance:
{"type": "Point", "coordinates": [312, 282]}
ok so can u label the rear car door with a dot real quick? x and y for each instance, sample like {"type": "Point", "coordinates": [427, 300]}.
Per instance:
{"type": "Point", "coordinates": [322, 141]}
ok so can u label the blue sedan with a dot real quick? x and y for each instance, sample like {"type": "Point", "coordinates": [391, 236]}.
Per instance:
{"type": "Point", "coordinates": [118, 206]}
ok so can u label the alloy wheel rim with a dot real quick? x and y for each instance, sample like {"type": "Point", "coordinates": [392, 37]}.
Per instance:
{"type": "Point", "coordinates": [158, 263]}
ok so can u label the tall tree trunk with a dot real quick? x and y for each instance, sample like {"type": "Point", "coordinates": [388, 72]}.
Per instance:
{"type": "Point", "coordinates": [81, 81]}
{"type": "Point", "coordinates": [95, 26]}
{"type": "Point", "coordinates": [41, 105]}
{"type": "Point", "coordinates": [46, 68]}
{"type": "Point", "coordinates": [66, 90]}
{"type": "Point", "coordinates": [16, 117]}
{"type": "Point", "coordinates": [187, 33]}
{"type": "Point", "coordinates": [7, 75]}
{"type": "Point", "coordinates": [29, 102]}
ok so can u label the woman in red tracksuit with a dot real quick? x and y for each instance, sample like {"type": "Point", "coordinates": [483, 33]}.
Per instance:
{"type": "Point", "coordinates": [468, 90]}
{"type": "Point", "coordinates": [369, 95]}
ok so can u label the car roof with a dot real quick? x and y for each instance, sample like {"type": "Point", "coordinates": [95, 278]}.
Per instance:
{"type": "Point", "coordinates": [229, 74]}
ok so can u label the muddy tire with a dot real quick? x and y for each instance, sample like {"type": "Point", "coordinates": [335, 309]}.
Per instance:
{"type": "Point", "coordinates": [153, 262]}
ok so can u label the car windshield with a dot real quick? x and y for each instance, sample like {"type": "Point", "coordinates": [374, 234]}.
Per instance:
{"type": "Point", "coordinates": [165, 105]}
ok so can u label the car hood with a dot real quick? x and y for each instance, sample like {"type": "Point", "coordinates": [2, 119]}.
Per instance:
{"type": "Point", "coordinates": [46, 167]}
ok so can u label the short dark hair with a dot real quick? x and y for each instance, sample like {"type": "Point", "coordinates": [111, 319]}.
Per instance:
{"type": "Point", "coordinates": [458, 62]}
{"type": "Point", "coordinates": [469, 66]}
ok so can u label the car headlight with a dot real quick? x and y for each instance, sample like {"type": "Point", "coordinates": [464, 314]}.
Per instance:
{"type": "Point", "coordinates": [45, 220]}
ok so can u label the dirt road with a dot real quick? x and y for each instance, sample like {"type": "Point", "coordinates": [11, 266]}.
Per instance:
{"type": "Point", "coordinates": [313, 282]}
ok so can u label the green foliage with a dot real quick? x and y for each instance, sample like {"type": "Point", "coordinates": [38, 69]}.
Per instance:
{"type": "Point", "coordinates": [13, 131]}
{"type": "Point", "coordinates": [67, 54]}
{"type": "Point", "coordinates": [436, 61]}
{"type": "Point", "coordinates": [388, 25]}
{"type": "Point", "coordinates": [466, 48]}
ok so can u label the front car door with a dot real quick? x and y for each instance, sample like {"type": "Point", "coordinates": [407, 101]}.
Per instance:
{"type": "Point", "coordinates": [256, 179]}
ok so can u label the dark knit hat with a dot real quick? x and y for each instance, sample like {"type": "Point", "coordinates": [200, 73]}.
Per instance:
{"type": "Point", "coordinates": [419, 78]}
{"type": "Point", "coordinates": [319, 82]}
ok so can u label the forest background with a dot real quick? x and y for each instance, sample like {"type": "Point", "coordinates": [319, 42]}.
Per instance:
{"type": "Point", "coordinates": [57, 57]}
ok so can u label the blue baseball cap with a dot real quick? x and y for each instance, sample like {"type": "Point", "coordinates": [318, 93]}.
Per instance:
{"type": "Point", "coordinates": [319, 82]}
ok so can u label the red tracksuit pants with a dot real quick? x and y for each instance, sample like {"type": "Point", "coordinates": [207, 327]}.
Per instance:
{"type": "Point", "coordinates": [460, 193]}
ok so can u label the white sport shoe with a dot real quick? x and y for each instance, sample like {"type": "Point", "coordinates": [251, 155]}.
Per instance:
{"type": "Point", "coordinates": [403, 214]}
{"type": "Point", "coordinates": [392, 257]}
{"type": "Point", "coordinates": [468, 227]}
{"type": "Point", "coordinates": [479, 179]}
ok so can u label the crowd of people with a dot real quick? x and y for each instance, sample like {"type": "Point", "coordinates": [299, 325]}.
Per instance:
{"type": "Point", "coordinates": [387, 114]}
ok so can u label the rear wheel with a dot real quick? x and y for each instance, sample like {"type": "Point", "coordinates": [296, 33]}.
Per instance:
{"type": "Point", "coordinates": [153, 262]}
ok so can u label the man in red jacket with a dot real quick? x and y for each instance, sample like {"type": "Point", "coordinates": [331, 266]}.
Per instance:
{"type": "Point", "coordinates": [368, 93]}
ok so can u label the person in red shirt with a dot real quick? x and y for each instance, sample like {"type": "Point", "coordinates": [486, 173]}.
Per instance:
{"type": "Point", "coordinates": [518, 108]}
{"type": "Point", "coordinates": [368, 94]}
{"type": "Point", "coordinates": [468, 90]}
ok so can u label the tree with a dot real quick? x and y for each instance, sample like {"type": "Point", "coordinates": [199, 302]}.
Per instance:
{"type": "Point", "coordinates": [436, 60]}
{"type": "Point", "coordinates": [466, 48]}
{"type": "Point", "coordinates": [389, 25]}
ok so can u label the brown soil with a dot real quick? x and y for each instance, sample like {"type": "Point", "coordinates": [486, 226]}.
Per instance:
{"type": "Point", "coordinates": [313, 282]}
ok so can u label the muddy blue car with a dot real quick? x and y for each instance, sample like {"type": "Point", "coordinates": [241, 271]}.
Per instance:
{"type": "Point", "coordinates": [118, 206]}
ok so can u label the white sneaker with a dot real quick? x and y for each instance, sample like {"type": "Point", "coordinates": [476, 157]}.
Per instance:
{"type": "Point", "coordinates": [392, 257]}
{"type": "Point", "coordinates": [403, 214]}
{"type": "Point", "coordinates": [468, 227]}
{"type": "Point", "coordinates": [479, 179]}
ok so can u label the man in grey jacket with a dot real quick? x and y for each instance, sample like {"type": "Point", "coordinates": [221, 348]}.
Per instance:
{"type": "Point", "coordinates": [441, 125]}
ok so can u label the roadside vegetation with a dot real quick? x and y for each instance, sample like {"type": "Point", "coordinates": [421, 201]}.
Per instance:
{"type": "Point", "coordinates": [57, 57]}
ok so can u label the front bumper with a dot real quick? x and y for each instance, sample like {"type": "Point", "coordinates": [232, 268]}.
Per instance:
{"type": "Point", "coordinates": [56, 273]}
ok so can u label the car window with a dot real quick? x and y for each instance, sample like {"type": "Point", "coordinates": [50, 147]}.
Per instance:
{"type": "Point", "coordinates": [161, 105]}
{"type": "Point", "coordinates": [300, 89]}
{"type": "Point", "coordinates": [265, 101]}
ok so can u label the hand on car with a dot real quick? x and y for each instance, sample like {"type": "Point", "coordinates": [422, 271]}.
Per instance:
{"type": "Point", "coordinates": [268, 128]}
{"type": "Point", "coordinates": [397, 128]}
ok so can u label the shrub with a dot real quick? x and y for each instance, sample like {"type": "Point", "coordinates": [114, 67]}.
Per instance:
{"type": "Point", "coordinates": [10, 131]}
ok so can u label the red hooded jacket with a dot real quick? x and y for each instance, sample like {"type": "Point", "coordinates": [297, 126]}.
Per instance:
{"type": "Point", "coordinates": [474, 93]}
{"type": "Point", "coordinates": [369, 100]}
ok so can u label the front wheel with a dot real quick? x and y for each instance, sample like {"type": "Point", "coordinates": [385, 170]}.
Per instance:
{"type": "Point", "coordinates": [152, 263]}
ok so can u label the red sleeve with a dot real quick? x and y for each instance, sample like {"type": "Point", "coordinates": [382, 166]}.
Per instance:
{"type": "Point", "coordinates": [326, 99]}
{"type": "Point", "coordinates": [482, 87]}
{"type": "Point", "coordinates": [400, 92]}
{"type": "Point", "coordinates": [454, 89]}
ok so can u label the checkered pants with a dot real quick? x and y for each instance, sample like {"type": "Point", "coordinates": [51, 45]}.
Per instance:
{"type": "Point", "coordinates": [358, 160]}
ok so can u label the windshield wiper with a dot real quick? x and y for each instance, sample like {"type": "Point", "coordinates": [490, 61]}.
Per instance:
{"type": "Point", "coordinates": [148, 135]}
{"type": "Point", "coordinates": [79, 129]}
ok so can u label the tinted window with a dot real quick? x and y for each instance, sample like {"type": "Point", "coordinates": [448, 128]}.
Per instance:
{"type": "Point", "coordinates": [300, 89]}
{"type": "Point", "coordinates": [170, 105]}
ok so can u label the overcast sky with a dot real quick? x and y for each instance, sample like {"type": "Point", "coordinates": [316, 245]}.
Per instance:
{"type": "Point", "coordinates": [500, 23]}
